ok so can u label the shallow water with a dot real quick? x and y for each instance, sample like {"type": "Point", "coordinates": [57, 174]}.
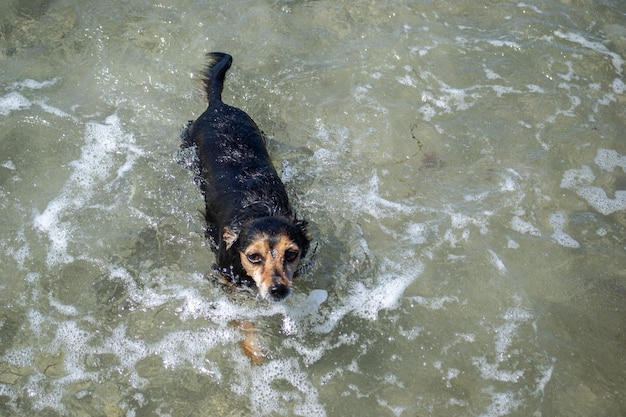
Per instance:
{"type": "Point", "coordinates": [462, 164]}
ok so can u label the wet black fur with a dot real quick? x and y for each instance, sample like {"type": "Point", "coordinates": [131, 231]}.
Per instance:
{"type": "Point", "coordinates": [241, 187]}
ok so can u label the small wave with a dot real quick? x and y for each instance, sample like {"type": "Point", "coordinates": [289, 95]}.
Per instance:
{"type": "Point", "coordinates": [97, 166]}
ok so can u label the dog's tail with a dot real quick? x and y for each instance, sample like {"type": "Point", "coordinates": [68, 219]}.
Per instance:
{"type": "Point", "coordinates": [213, 76]}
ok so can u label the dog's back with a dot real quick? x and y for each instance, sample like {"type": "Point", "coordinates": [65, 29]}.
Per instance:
{"type": "Point", "coordinates": [238, 178]}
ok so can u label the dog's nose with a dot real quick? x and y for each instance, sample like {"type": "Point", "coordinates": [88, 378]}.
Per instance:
{"type": "Point", "coordinates": [279, 291]}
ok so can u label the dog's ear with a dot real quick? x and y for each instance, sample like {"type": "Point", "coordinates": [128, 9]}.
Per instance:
{"type": "Point", "coordinates": [229, 236]}
{"type": "Point", "coordinates": [302, 226]}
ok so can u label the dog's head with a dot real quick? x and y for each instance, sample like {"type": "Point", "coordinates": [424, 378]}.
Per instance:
{"type": "Point", "coordinates": [270, 249]}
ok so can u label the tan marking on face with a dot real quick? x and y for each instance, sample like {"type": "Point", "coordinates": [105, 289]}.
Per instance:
{"type": "Point", "coordinates": [268, 264]}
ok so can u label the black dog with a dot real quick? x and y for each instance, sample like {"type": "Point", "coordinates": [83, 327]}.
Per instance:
{"type": "Point", "coordinates": [251, 225]}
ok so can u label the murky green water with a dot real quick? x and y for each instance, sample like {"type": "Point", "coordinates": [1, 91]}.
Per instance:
{"type": "Point", "coordinates": [462, 164]}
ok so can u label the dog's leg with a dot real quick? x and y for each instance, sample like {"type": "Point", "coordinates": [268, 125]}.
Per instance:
{"type": "Point", "coordinates": [250, 343]}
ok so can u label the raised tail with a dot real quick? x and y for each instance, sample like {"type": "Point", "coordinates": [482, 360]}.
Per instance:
{"type": "Point", "coordinates": [213, 76]}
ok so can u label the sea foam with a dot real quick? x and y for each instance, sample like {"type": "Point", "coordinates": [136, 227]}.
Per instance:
{"type": "Point", "coordinates": [581, 180]}
{"type": "Point", "coordinates": [97, 165]}
{"type": "Point", "coordinates": [616, 59]}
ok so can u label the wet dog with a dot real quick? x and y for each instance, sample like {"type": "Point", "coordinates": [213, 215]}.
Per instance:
{"type": "Point", "coordinates": [254, 232]}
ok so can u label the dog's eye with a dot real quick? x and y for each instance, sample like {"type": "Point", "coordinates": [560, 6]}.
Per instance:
{"type": "Point", "coordinates": [291, 255]}
{"type": "Point", "coordinates": [254, 258]}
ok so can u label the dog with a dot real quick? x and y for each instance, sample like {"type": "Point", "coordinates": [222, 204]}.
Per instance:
{"type": "Point", "coordinates": [251, 226]}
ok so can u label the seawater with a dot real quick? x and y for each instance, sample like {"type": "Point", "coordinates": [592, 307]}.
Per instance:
{"type": "Point", "coordinates": [462, 164]}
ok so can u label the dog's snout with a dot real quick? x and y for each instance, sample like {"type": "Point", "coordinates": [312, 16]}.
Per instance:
{"type": "Point", "coordinates": [279, 291]}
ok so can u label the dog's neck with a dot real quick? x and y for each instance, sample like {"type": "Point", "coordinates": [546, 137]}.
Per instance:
{"type": "Point", "coordinates": [258, 210]}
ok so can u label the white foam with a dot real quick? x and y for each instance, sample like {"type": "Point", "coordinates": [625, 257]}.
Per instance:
{"type": "Point", "coordinates": [509, 44]}
{"type": "Point", "coordinates": [502, 404]}
{"type": "Point", "coordinates": [533, 88]}
{"type": "Point", "coordinates": [258, 383]}
{"type": "Point", "coordinates": [568, 76]}
{"type": "Point", "coordinates": [529, 6]}
{"type": "Point", "coordinates": [463, 221]}
{"type": "Point", "coordinates": [8, 164]}
{"type": "Point", "coordinates": [617, 60]}
{"type": "Point", "coordinates": [53, 110]}
{"type": "Point", "coordinates": [543, 379]}
{"type": "Point", "coordinates": [511, 244]}
{"type": "Point", "coordinates": [428, 112]}
{"type": "Point", "coordinates": [581, 180]}
{"type": "Point", "coordinates": [20, 249]}
{"type": "Point", "coordinates": [618, 86]}
{"type": "Point", "coordinates": [524, 227]}
{"type": "Point", "coordinates": [33, 84]}
{"type": "Point", "coordinates": [508, 184]}
{"type": "Point", "coordinates": [129, 351]}
{"type": "Point", "coordinates": [598, 199]}
{"type": "Point", "coordinates": [288, 172]}
{"type": "Point", "coordinates": [312, 354]}
{"type": "Point", "coordinates": [504, 335]}
{"type": "Point", "coordinates": [68, 310]}
{"type": "Point", "coordinates": [476, 197]}
{"type": "Point", "coordinates": [366, 198]}
{"type": "Point", "coordinates": [312, 304]}
{"type": "Point", "coordinates": [395, 410]}
{"type": "Point", "coordinates": [367, 302]}
{"type": "Point", "coordinates": [16, 101]}
{"type": "Point", "coordinates": [497, 262]}
{"type": "Point", "coordinates": [406, 80]}
{"type": "Point", "coordinates": [180, 348]}
{"type": "Point", "coordinates": [609, 159]}
{"type": "Point", "coordinates": [416, 233]}
{"type": "Point", "coordinates": [74, 343]}
{"type": "Point", "coordinates": [103, 145]}
{"type": "Point", "coordinates": [573, 178]}
{"type": "Point", "coordinates": [13, 101]}
{"type": "Point", "coordinates": [605, 100]}
{"type": "Point", "coordinates": [450, 99]}
{"type": "Point", "coordinates": [501, 90]}
{"type": "Point", "coordinates": [32, 277]}
{"type": "Point", "coordinates": [460, 220]}
{"type": "Point", "coordinates": [564, 239]}
{"type": "Point", "coordinates": [35, 319]}
{"type": "Point", "coordinates": [190, 347]}
{"type": "Point", "coordinates": [412, 333]}
{"type": "Point", "coordinates": [194, 305]}
{"type": "Point", "coordinates": [490, 74]}
{"type": "Point", "coordinates": [557, 222]}
{"type": "Point", "coordinates": [451, 374]}
{"type": "Point", "coordinates": [434, 303]}
{"type": "Point", "coordinates": [20, 357]}
{"type": "Point", "coordinates": [45, 398]}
